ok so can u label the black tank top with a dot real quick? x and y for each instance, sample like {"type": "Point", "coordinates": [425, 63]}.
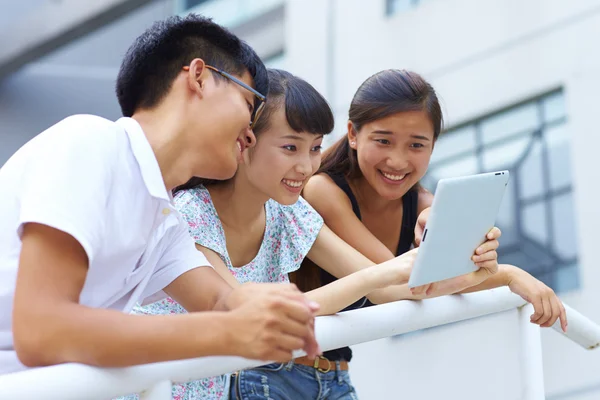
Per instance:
{"type": "Point", "coordinates": [407, 236]}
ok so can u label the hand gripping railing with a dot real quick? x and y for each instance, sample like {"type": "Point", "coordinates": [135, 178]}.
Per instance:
{"type": "Point", "coordinates": [153, 381]}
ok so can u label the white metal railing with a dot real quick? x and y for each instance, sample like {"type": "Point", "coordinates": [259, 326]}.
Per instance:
{"type": "Point", "coordinates": [76, 381]}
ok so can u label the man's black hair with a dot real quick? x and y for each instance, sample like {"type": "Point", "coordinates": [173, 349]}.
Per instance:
{"type": "Point", "coordinates": [157, 56]}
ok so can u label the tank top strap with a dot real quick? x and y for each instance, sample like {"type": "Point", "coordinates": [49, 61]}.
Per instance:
{"type": "Point", "coordinates": [342, 183]}
{"type": "Point", "coordinates": [410, 204]}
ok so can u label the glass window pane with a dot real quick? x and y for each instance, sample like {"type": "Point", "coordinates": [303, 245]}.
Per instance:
{"type": "Point", "coordinates": [534, 223]}
{"type": "Point", "coordinates": [530, 173]}
{"type": "Point", "coordinates": [520, 119]}
{"type": "Point", "coordinates": [194, 3]}
{"type": "Point", "coordinates": [559, 156]}
{"type": "Point", "coordinates": [554, 107]}
{"type": "Point", "coordinates": [539, 256]}
{"type": "Point", "coordinates": [429, 181]}
{"type": "Point", "coordinates": [395, 6]}
{"type": "Point", "coordinates": [464, 166]}
{"type": "Point", "coordinates": [453, 143]}
{"type": "Point", "coordinates": [277, 61]}
{"type": "Point", "coordinates": [565, 240]}
{"type": "Point", "coordinates": [547, 278]}
{"type": "Point", "coordinates": [513, 257]}
{"type": "Point", "coordinates": [566, 278]}
{"type": "Point", "coordinates": [235, 12]}
{"type": "Point", "coordinates": [504, 156]}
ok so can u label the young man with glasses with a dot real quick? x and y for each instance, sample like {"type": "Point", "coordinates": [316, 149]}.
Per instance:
{"type": "Point", "coordinates": [88, 227]}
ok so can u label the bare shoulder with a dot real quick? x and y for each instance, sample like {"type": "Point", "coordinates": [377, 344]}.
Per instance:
{"type": "Point", "coordinates": [325, 196]}
{"type": "Point", "coordinates": [425, 199]}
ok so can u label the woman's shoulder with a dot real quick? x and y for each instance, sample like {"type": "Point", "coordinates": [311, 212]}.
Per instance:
{"type": "Point", "coordinates": [292, 231]}
{"type": "Point", "coordinates": [195, 203]}
{"type": "Point", "coordinates": [195, 197]}
{"type": "Point", "coordinates": [301, 213]}
{"type": "Point", "coordinates": [321, 182]}
{"type": "Point", "coordinates": [325, 194]}
{"type": "Point", "coordinates": [197, 209]}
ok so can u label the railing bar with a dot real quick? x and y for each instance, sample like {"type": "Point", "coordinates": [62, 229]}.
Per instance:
{"type": "Point", "coordinates": [76, 381]}
{"type": "Point", "coordinates": [530, 356]}
{"type": "Point", "coordinates": [160, 391]}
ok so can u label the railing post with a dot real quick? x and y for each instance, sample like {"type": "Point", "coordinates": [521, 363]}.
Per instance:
{"type": "Point", "coordinates": [530, 356]}
{"type": "Point", "coordinates": [160, 391]}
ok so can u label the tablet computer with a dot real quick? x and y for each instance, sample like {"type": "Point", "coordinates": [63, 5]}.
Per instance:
{"type": "Point", "coordinates": [464, 210]}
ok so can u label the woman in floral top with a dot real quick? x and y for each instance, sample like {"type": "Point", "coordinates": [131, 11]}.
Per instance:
{"type": "Point", "coordinates": [255, 227]}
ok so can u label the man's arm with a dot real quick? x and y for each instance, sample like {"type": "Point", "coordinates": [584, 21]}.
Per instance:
{"type": "Point", "coordinates": [51, 327]}
{"type": "Point", "coordinates": [213, 296]}
{"type": "Point", "coordinates": [60, 229]}
{"type": "Point", "coordinates": [217, 289]}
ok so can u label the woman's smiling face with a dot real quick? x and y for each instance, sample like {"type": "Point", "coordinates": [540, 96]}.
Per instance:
{"type": "Point", "coordinates": [393, 152]}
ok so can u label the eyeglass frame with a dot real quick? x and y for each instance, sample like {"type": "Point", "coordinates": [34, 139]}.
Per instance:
{"type": "Point", "coordinates": [261, 97]}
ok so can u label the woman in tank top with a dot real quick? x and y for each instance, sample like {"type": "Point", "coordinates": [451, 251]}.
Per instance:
{"type": "Point", "coordinates": [367, 188]}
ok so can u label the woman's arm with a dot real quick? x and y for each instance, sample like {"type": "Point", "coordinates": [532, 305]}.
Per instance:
{"type": "Point", "coordinates": [337, 295]}
{"type": "Point", "coordinates": [357, 275]}
{"type": "Point", "coordinates": [335, 208]}
{"type": "Point", "coordinates": [344, 291]}
{"type": "Point", "coordinates": [342, 261]}
{"type": "Point", "coordinates": [547, 306]}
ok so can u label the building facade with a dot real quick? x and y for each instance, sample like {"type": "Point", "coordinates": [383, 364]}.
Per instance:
{"type": "Point", "coordinates": [518, 82]}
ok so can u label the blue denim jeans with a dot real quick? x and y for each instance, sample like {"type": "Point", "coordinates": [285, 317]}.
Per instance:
{"type": "Point", "coordinates": [291, 381]}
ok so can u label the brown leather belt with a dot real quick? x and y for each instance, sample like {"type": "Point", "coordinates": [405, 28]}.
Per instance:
{"type": "Point", "coordinates": [322, 364]}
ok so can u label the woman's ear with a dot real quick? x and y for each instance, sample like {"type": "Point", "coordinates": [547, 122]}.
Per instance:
{"type": "Point", "coordinates": [351, 135]}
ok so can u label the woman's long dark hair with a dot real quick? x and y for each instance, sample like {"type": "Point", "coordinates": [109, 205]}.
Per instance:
{"type": "Point", "coordinates": [384, 94]}
{"type": "Point", "coordinates": [306, 110]}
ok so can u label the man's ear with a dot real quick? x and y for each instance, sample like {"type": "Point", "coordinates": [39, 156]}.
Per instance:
{"type": "Point", "coordinates": [197, 75]}
{"type": "Point", "coordinates": [351, 135]}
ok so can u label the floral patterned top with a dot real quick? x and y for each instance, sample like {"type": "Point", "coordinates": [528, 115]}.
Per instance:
{"type": "Point", "coordinates": [290, 232]}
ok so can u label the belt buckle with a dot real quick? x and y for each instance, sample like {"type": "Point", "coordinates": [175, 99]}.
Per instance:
{"type": "Point", "coordinates": [322, 370]}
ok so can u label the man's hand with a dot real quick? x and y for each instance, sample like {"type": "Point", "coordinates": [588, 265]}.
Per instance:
{"type": "Point", "coordinates": [270, 321]}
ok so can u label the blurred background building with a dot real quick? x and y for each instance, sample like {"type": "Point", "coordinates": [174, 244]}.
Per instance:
{"type": "Point", "coordinates": [519, 82]}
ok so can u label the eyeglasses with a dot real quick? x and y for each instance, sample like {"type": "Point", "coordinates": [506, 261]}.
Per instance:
{"type": "Point", "coordinates": [261, 97]}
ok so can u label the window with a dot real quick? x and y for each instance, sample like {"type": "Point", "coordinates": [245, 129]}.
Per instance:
{"type": "Point", "coordinates": [230, 13]}
{"type": "Point", "coordinates": [276, 60]}
{"type": "Point", "coordinates": [395, 6]}
{"type": "Point", "coordinates": [530, 140]}
{"type": "Point", "coordinates": [187, 4]}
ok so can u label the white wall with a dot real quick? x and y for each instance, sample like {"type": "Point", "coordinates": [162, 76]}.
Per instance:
{"type": "Point", "coordinates": [481, 56]}
{"type": "Point", "coordinates": [78, 78]}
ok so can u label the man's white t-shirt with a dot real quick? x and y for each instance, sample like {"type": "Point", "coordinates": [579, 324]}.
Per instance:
{"type": "Point", "coordinates": [100, 182]}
